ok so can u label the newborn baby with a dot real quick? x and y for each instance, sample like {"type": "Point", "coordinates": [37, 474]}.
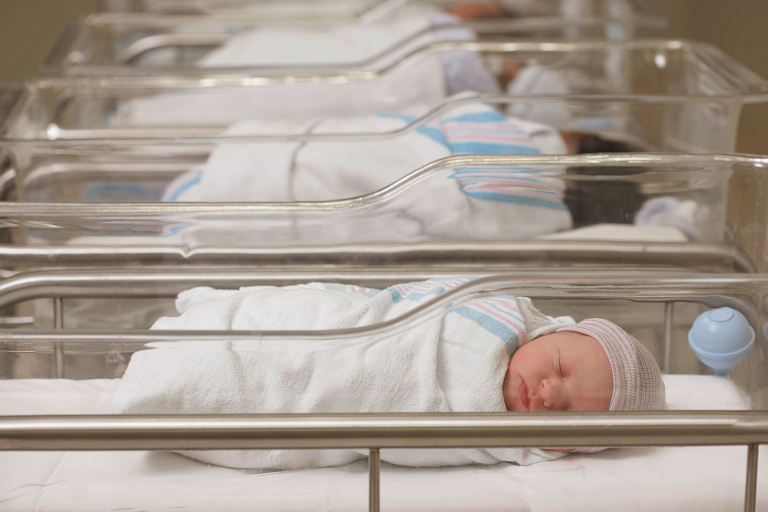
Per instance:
{"type": "Point", "coordinates": [460, 354]}
{"type": "Point", "coordinates": [592, 366]}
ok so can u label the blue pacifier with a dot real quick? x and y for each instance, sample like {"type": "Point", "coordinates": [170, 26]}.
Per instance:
{"type": "Point", "coordinates": [721, 339]}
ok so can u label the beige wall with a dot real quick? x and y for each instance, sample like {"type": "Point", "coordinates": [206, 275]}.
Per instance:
{"type": "Point", "coordinates": [738, 27]}
{"type": "Point", "coordinates": [28, 29]}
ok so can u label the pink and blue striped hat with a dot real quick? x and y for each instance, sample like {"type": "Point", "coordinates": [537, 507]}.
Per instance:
{"type": "Point", "coordinates": [637, 384]}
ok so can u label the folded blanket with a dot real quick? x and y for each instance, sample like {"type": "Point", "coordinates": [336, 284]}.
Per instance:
{"type": "Point", "coordinates": [452, 361]}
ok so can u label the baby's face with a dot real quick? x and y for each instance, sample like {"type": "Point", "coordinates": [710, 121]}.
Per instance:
{"type": "Point", "coordinates": [563, 371]}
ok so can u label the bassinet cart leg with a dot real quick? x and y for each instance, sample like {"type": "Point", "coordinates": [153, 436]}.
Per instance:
{"type": "Point", "coordinates": [751, 492]}
{"type": "Point", "coordinates": [374, 469]}
{"type": "Point", "coordinates": [58, 323]}
{"type": "Point", "coordinates": [669, 317]}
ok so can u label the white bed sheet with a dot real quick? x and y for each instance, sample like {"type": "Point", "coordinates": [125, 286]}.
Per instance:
{"type": "Point", "coordinates": [660, 479]}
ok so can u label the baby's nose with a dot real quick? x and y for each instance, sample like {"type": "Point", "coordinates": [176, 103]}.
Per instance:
{"type": "Point", "coordinates": [551, 394]}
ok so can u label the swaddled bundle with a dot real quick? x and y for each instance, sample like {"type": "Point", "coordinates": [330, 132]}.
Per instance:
{"type": "Point", "coordinates": [284, 44]}
{"type": "Point", "coordinates": [454, 361]}
{"type": "Point", "coordinates": [325, 171]}
{"type": "Point", "coordinates": [415, 78]}
{"type": "Point", "coordinates": [454, 203]}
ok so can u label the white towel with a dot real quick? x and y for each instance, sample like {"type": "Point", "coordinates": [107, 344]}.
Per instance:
{"type": "Point", "coordinates": [453, 361]}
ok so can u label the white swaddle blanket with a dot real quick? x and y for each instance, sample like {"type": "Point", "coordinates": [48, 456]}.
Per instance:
{"type": "Point", "coordinates": [416, 81]}
{"type": "Point", "coordinates": [454, 361]}
{"type": "Point", "coordinates": [419, 81]}
{"type": "Point", "coordinates": [464, 202]}
{"type": "Point", "coordinates": [409, 77]}
{"type": "Point", "coordinates": [286, 44]}
{"type": "Point", "coordinates": [322, 171]}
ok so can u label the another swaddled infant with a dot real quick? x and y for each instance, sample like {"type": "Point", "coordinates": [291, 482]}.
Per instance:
{"type": "Point", "coordinates": [458, 355]}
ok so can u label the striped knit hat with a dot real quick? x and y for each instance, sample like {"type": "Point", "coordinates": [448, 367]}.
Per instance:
{"type": "Point", "coordinates": [637, 384]}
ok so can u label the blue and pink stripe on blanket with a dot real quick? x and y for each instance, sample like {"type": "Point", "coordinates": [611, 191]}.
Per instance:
{"type": "Point", "coordinates": [484, 131]}
{"type": "Point", "coordinates": [500, 316]}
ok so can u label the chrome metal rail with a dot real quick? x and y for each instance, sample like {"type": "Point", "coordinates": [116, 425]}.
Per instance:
{"type": "Point", "coordinates": [137, 48]}
{"type": "Point", "coordinates": [713, 289]}
{"type": "Point", "coordinates": [742, 292]}
{"type": "Point", "coordinates": [754, 87]}
{"type": "Point", "coordinates": [421, 258]}
{"type": "Point", "coordinates": [365, 13]}
{"type": "Point", "coordinates": [380, 431]}
{"type": "Point", "coordinates": [383, 431]}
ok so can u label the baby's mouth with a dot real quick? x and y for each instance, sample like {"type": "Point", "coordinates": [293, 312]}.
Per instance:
{"type": "Point", "coordinates": [522, 392]}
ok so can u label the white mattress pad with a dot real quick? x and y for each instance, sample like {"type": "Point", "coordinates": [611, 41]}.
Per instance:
{"type": "Point", "coordinates": [629, 479]}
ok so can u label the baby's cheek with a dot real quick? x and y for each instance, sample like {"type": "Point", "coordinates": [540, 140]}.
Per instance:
{"type": "Point", "coordinates": [511, 398]}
